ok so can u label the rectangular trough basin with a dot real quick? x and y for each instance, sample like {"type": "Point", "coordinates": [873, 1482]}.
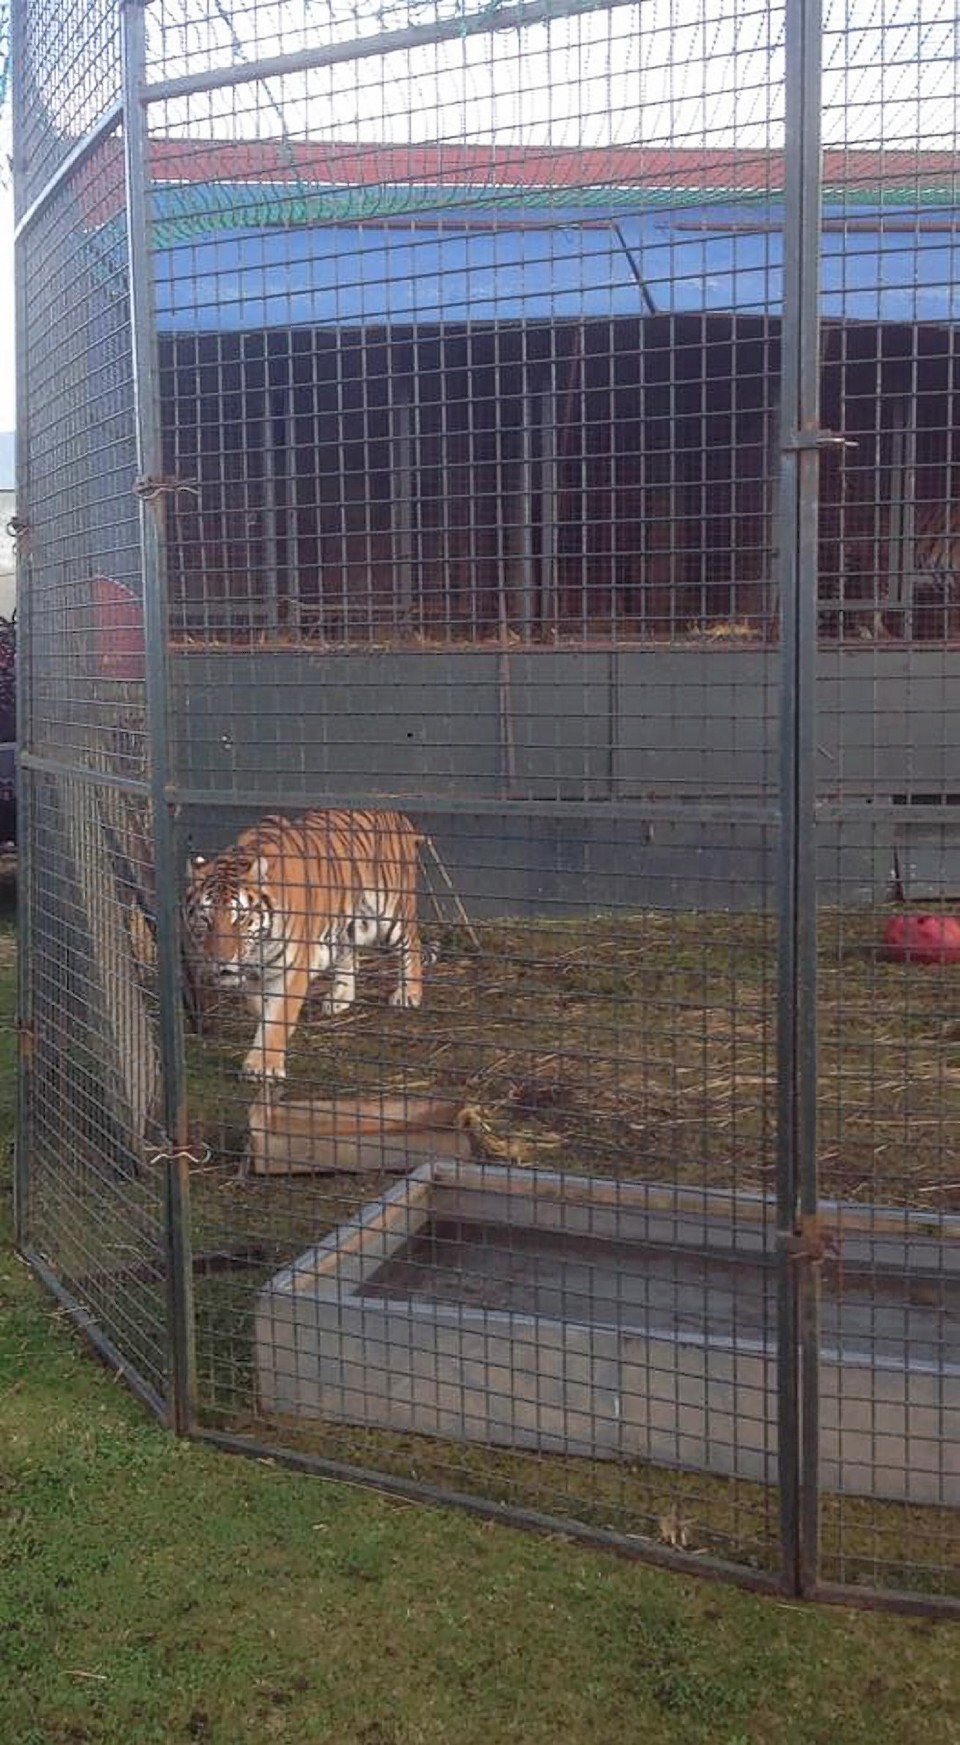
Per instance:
{"type": "Point", "coordinates": [582, 1317]}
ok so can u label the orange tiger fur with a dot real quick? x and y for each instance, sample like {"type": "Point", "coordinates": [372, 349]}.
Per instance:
{"type": "Point", "coordinates": [294, 897]}
{"type": "Point", "coordinates": [937, 559]}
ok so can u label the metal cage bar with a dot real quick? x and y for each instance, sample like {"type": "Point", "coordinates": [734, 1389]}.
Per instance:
{"type": "Point", "coordinates": [489, 533]}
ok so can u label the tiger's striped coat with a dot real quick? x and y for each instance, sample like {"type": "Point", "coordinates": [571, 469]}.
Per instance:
{"type": "Point", "coordinates": [294, 898]}
{"type": "Point", "coordinates": [937, 561]}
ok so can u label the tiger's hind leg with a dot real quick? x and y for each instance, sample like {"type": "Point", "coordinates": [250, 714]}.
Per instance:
{"type": "Point", "coordinates": [344, 990]}
{"type": "Point", "coordinates": [409, 989]}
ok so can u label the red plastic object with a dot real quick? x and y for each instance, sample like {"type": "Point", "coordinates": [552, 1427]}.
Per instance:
{"type": "Point", "coordinates": [119, 629]}
{"type": "Point", "coordinates": [922, 938]}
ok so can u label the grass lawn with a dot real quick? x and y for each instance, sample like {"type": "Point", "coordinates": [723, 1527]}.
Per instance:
{"type": "Point", "coordinates": [155, 1592]}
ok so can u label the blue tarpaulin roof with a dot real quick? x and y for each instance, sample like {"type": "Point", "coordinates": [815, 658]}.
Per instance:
{"type": "Point", "coordinates": [887, 266]}
{"type": "Point", "coordinates": [365, 275]}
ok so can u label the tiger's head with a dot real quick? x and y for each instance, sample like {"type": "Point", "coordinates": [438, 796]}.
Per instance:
{"type": "Point", "coordinates": [231, 920]}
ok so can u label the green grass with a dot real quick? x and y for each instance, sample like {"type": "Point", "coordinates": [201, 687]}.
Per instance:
{"type": "Point", "coordinates": [643, 1047]}
{"type": "Point", "coordinates": [153, 1591]}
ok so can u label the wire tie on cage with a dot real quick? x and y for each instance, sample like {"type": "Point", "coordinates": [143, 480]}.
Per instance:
{"type": "Point", "coordinates": [199, 1156]}
{"type": "Point", "coordinates": [811, 1240]}
{"type": "Point", "coordinates": [149, 488]}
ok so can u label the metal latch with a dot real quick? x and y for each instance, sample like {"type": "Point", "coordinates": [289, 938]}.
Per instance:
{"type": "Point", "coordinates": [803, 440]}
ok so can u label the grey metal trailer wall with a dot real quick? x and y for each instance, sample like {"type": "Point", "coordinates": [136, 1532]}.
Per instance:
{"type": "Point", "coordinates": [640, 775]}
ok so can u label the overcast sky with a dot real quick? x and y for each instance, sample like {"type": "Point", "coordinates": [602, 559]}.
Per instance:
{"type": "Point", "coordinates": [8, 397]}
{"type": "Point", "coordinates": [670, 72]}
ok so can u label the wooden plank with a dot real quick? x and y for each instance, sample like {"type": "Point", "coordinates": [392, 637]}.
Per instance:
{"type": "Point", "coordinates": [353, 1135]}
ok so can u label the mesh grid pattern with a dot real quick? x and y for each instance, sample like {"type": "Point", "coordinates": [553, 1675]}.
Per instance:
{"type": "Point", "coordinates": [67, 61]}
{"type": "Point", "coordinates": [550, 854]}
{"type": "Point", "coordinates": [93, 1210]}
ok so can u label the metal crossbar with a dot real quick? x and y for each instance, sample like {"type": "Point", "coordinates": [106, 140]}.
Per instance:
{"type": "Point", "coordinates": [488, 631]}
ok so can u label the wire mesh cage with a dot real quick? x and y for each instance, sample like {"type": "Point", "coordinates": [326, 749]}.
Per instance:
{"type": "Point", "coordinates": [489, 613]}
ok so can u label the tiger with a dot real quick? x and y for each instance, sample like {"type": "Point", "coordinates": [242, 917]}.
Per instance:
{"type": "Point", "coordinates": [936, 595]}
{"type": "Point", "coordinates": [294, 897]}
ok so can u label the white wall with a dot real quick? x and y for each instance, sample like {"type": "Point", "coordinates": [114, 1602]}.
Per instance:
{"type": "Point", "coordinates": [8, 563]}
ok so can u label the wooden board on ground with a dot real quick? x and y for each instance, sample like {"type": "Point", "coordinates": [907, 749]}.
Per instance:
{"type": "Point", "coordinates": [353, 1135]}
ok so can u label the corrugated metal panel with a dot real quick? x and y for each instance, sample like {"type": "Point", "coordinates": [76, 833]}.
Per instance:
{"type": "Point", "coordinates": [928, 866]}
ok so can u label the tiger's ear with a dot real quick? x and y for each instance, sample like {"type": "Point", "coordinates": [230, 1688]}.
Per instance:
{"type": "Point", "coordinates": [195, 864]}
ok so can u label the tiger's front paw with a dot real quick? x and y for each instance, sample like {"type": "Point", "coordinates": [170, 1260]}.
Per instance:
{"type": "Point", "coordinates": [261, 1069]}
{"type": "Point", "coordinates": [405, 998]}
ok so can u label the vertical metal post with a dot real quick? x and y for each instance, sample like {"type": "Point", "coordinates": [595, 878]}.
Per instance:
{"type": "Point", "coordinates": [401, 487]}
{"type": "Point", "coordinates": [447, 451]}
{"type": "Point", "coordinates": [797, 994]}
{"type": "Point", "coordinates": [25, 778]}
{"type": "Point", "coordinates": [673, 495]}
{"type": "Point", "coordinates": [473, 474]}
{"type": "Point", "coordinates": [527, 505]}
{"type": "Point", "coordinates": [900, 579]}
{"type": "Point", "coordinates": [549, 504]}
{"type": "Point", "coordinates": [771, 533]}
{"type": "Point", "coordinates": [271, 461]}
{"type": "Point", "coordinates": [284, 455]}
{"type": "Point", "coordinates": [154, 575]}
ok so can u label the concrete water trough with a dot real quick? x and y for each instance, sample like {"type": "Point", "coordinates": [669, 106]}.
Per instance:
{"type": "Point", "coordinates": [617, 1320]}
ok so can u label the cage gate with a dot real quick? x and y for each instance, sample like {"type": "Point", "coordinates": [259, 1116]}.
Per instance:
{"type": "Point", "coordinates": [490, 626]}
